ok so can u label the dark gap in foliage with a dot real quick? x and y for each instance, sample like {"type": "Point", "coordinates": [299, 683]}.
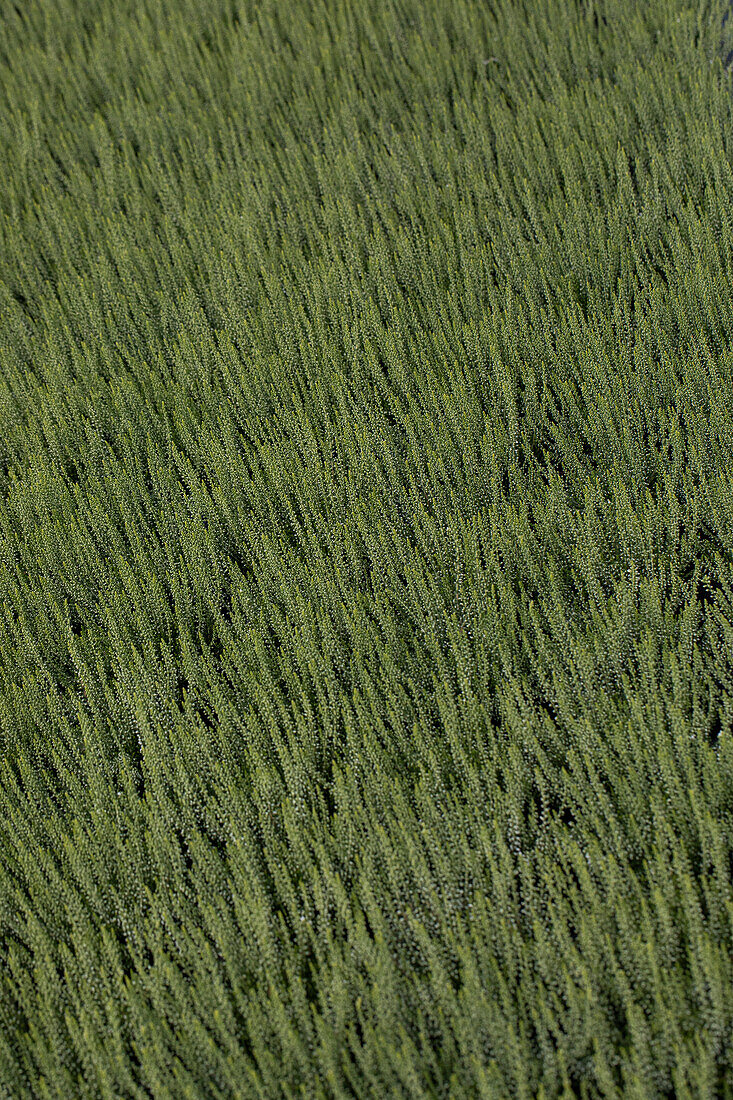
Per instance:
{"type": "Point", "coordinates": [181, 690]}
{"type": "Point", "coordinates": [206, 716]}
{"type": "Point", "coordinates": [687, 571]}
{"type": "Point", "coordinates": [708, 535]}
{"type": "Point", "coordinates": [209, 635]}
{"type": "Point", "coordinates": [225, 606]}
{"type": "Point", "coordinates": [714, 730]}
{"type": "Point", "coordinates": [661, 274]}
{"type": "Point", "coordinates": [71, 472]}
{"type": "Point", "coordinates": [587, 451]}
{"type": "Point", "coordinates": [184, 850]}
{"type": "Point", "coordinates": [21, 299]}
{"type": "Point", "coordinates": [706, 589]}
{"type": "Point", "coordinates": [566, 816]}
{"type": "Point", "coordinates": [62, 172]}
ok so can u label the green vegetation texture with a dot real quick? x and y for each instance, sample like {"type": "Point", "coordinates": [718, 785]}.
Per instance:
{"type": "Point", "coordinates": [366, 550]}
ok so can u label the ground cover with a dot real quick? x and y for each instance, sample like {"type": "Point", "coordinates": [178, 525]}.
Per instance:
{"type": "Point", "coordinates": [366, 543]}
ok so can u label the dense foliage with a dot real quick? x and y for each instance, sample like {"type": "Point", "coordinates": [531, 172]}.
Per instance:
{"type": "Point", "coordinates": [366, 549]}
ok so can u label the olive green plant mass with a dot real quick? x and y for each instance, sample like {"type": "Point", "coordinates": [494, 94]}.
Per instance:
{"type": "Point", "coordinates": [366, 550]}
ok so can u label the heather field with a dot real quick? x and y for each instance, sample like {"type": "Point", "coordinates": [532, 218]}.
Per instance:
{"type": "Point", "coordinates": [366, 550]}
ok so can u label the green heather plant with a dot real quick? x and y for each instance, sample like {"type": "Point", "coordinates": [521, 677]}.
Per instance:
{"type": "Point", "coordinates": [366, 549]}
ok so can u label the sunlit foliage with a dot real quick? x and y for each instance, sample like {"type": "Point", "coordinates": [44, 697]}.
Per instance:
{"type": "Point", "coordinates": [366, 549]}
